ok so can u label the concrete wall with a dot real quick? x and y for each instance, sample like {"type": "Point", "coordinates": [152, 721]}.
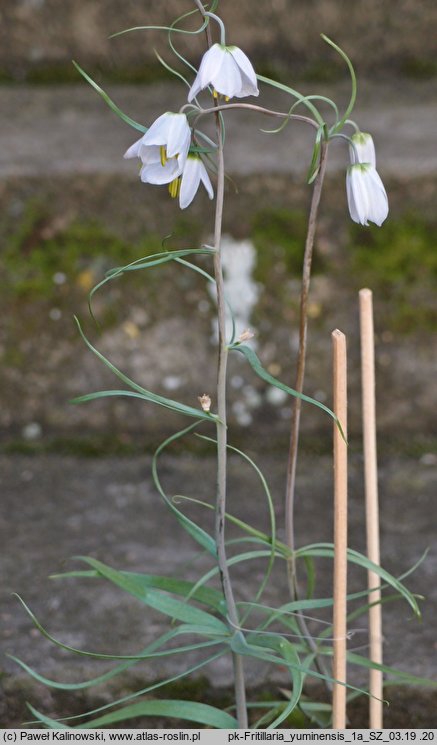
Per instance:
{"type": "Point", "coordinates": [379, 35]}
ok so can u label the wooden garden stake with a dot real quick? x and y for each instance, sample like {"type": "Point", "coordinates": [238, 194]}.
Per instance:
{"type": "Point", "coordinates": [372, 512]}
{"type": "Point", "coordinates": [340, 531]}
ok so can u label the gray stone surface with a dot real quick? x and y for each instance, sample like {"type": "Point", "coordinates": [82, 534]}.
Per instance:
{"type": "Point", "coordinates": [45, 34]}
{"type": "Point", "coordinates": [69, 130]}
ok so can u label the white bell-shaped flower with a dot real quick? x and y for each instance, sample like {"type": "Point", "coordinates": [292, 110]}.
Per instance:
{"type": "Point", "coordinates": [157, 169]}
{"type": "Point", "coordinates": [363, 148]}
{"type": "Point", "coordinates": [228, 70]}
{"type": "Point", "coordinates": [194, 172]}
{"type": "Point", "coordinates": [163, 149]}
{"type": "Point", "coordinates": [366, 196]}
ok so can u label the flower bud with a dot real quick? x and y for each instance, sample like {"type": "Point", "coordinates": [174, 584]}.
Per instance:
{"type": "Point", "coordinates": [205, 402]}
{"type": "Point", "coordinates": [246, 335]}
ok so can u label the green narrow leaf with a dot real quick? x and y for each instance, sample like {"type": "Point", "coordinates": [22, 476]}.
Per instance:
{"type": "Point", "coordinates": [353, 96]}
{"type": "Point", "coordinates": [144, 654]}
{"type": "Point", "coordinates": [247, 556]}
{"type": "Point", "coordinates": [143, 691]}
{"type": "Point", "coordinates": [200, 536]}
{"type": "Point", "coordinates": [292, 659]}
{"type": "Point", "coordinates": [326, 549]}
{"type": "Point", "coordinates": [170, 69]}
{"type": "Point", "coordinates": [314, 165]}
{"type": "Point", "coordinates": [172, 44]}
{"type": "Point", "coordinates": [109, 101]}
{"type": "Point", "coordinates": [206, 595]}
{"type": "Point", "coordinates": [50, 723]}
{"type": "Point", "coordinates": [162, 28]}
{"type": "Point", "coordinates": [400, 675]}
{"type": "Point", "coordinates": [249, 646]}
{"type": "Point", "coordinates": [191, 711]}
{"type": "Point", "coordinates": [167, 403]}
{"type": "Point", "coordinates": [163, 603]}
{"type": "Point", "coordinates": [146, 262]}
{"type": "Point", "coordinates": [267, 718]}
{"type": "Point", "coordinates": [73, 686]}
{"type": "Point", "coordinates": [257, 367]}
{"type": "Point", "coordinates": [311, 576]}
{"type": "Point", "coordinates": [271, 510]}
{"type": "Point", "coordinates": [280, 86]}
{"type": "Point", "coordinates": [257, 535]}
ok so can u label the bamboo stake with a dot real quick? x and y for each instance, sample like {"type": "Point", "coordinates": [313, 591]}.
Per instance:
{"type": "Point", "coordinates": [340, 531]}
{"type": "Point", "coordinates": [372, 512]}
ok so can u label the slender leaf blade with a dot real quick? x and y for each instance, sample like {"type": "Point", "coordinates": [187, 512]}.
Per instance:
{"type": "Point", "coordinates": [161, 602]}
{"type": "Point", "coordinates": [191, 711]}
{"type": "Point", "coordinates": [109, 101]}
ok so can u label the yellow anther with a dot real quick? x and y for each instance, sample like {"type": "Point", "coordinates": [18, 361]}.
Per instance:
{"type": "Point", "coordinates": [163, 153]}
{"type": "Point", "coordinates": [174, 187]}
{"type": "Point", "coordinates": [217, 94]}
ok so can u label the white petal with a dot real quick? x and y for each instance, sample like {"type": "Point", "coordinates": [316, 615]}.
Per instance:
{"type": "Point", "coordinates": [195, 89]}
{"type": "Point", "coordinates": [360, 194]}
{"type": "Point", "coordinates": [150, 154]}
{"type": "Point", "coordinates": [367, 198]}
{"type": "Point", "coordinates": [369, 150]}
{"type": "Point", "coordinates": [209, 72]}
{"type": "Point", "coordinates": [377, 197]}
{"type": "Point", "coordinates": [178, 132]}
{"type": "Point", "coordinates": [155, 173]}
{"type": "Point", "coordinates": [190, 182]}
{"type": "Point", "coordinates": [350, 198]}
{"type": "Point", "coordinates": [211, 63]}
{"type": "Point", "coordinates": [364, 148]}
{"type": "Point", "coordinates": [247, 88]}
{"type": "Point", "coordinates": [206, 181]}
{"type": "Point", "coordinates": [183, 153]}
{"type": "Point", "coordinates": [227, 79]}
{"type": "Point", "coordinates": [246, 68]}
{"type": "Point", "coordinates": [157, 134]}
{"type": "Point", "coordinates": [134, 150]}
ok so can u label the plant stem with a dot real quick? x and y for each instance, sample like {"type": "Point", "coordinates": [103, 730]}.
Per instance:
{"type": "Point", "coordinates": [298, 386]}
{"type": "Point", "coordinates": [301, 356]}
{"type": "Point", "coordinates": [240, 691]}
{"type": "Point", "coordinates": [260, 110]}
{"type": "Point", "coordinates": [220, 514]}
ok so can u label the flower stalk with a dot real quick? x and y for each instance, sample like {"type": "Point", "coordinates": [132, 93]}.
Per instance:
{"type": "Point", "coordinates": [297, 404]}
{"type": "Point", "coordinates": [220, 511]}
{"type": "Point", "coordinates": [240, 689]}
{"type": "Point", "coordinates": [300, 368]}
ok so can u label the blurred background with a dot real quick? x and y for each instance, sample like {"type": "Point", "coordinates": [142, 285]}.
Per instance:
{"type": "Point", "coordinates": [72, 208]}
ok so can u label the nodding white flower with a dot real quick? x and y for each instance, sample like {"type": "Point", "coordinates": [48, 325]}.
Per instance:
{"type": "Point", "coordinates": [228, 70]}
{"type": "Point", "coordinates": [366, 196]}
{"type": "Point", "coordinates": [163, 149]}
{"type": "Point", "coordinates": [186, 186]}
{"type": "Point", "coordinates": [363, 148]}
